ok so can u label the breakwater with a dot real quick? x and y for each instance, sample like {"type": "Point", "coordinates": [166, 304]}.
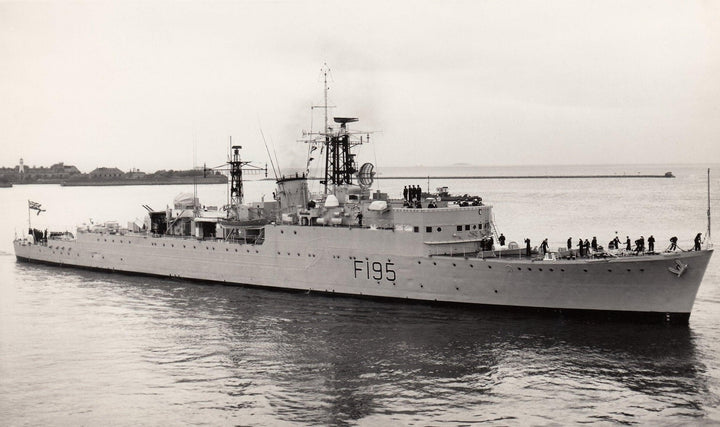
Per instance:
{"type": "Point", "coordinates": [667, 175]}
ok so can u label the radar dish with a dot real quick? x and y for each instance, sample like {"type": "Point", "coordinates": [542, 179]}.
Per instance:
{"type": "Point", "coordinates": [343, 120]}
{"type": "Point", "coordinates": [366, 174]}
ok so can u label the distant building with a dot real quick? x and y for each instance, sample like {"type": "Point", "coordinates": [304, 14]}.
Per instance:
{"type": "Point", "coordinates": [135, 174]}
{"type": "Point", "coordinates": [22, 172]}
{"type": "Point", "coordinates": [106, 173]}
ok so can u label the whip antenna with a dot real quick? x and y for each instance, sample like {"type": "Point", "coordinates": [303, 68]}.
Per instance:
{"type": "Point", "coordinates": [268, 153]}
{"type": "Point", "coordinates": [708, 239]}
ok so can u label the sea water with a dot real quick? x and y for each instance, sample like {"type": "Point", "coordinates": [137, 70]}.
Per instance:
{"type": "Point", "coordinates": [89, 348]}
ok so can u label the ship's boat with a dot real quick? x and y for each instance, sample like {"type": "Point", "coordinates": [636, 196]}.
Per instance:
{"type": "Point", "coordinates": [350, 240]}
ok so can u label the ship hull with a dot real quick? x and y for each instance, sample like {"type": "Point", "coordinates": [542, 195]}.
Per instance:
{"type": "Point", "coordinates": [363, 263]}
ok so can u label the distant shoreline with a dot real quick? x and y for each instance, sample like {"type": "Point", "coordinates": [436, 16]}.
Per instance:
{"type": "Point", "coordinates": [210, 181]}
{"type": "Point", "coordinates": [126, 182]}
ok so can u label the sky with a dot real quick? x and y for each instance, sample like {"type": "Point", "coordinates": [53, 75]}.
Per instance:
{"type": "Point", "coordinates": [164, 85]}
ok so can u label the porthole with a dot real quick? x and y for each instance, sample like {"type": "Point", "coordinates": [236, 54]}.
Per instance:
{"type": "Point", "coordinates": [585, 270]}
{"type": "Point", "coordinates": [471, 266]}
{"type": "Point", "coordinates": [529, 269]}
{"type": "Point", "coordinates": [489, 266]}
{"type": "Point", "coordinates": [439, 229]}
{"type": "Point", "coordinates": [540, 269]}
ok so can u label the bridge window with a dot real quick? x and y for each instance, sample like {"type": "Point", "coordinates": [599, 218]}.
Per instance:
{"type": "Point", "coordinates": [467, 227]}
{"type": "Point", "coordinates": [428, 229]}
{"type": "Point", "coordinates": [416, 229]}
{"type": "Point", "coordinates": [459, 228]}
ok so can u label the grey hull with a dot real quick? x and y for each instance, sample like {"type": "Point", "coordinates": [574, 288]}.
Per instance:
{"type": "Point", "coordinates": [363, 262]}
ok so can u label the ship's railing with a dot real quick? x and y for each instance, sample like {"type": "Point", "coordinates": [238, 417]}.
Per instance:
{"type": "Point", "coordinates": [445, 209]}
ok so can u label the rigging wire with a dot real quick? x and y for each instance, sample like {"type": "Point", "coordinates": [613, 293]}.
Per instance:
{"type": "Point", "coordinates": [268, 152]}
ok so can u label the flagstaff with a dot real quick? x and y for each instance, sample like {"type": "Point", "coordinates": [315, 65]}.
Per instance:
{"type": "Point", "coordinates": [33, 206]}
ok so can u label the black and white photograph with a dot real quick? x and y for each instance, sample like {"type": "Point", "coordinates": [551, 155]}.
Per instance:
{"type": "Point", "coordinates": [338, 213]}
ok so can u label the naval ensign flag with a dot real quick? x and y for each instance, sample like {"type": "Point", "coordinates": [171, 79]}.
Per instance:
{"type": "Point", "coordinates": [35, 206]}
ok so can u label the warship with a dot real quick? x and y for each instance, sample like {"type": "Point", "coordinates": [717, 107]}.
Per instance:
{"type": "Point", "coordinates": [350, 240]}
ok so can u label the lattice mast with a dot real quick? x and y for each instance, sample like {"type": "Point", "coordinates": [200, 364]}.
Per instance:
{"type": "Point", "coordinates": [237, 166]}
{"type": "Point", "coordinates": [339, 161]}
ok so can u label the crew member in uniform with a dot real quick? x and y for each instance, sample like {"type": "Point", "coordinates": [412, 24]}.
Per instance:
{"type": "Point", "coordinates": [527, 247]}
{"type": "Point", "coordinates": [698, 240]}
{"type": "Point", "coordinates": [628, 244]}
{"type": "Point", "coordinates": [501, 239]}
{"type": "Point", "coordinates": [651, 244]}
{"type": "Point", "coordinates": [673, 243]}
{"type": "Point", "coordinates": [405, 193]}
{"type": "Point", "coordinates": [569, 243]}
{"type": "Point", "coordinates": [544, 246]}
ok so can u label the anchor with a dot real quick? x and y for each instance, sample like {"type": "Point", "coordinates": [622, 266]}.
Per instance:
{"type": "Point", "coordinates": [679, 268]}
